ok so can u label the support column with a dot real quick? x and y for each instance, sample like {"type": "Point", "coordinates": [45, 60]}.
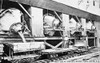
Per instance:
{"type": "Point", "coordinates": [66, 25]}
{"type": "Point", "coordinates": [97, 25]}
{"type": "Point", "coordinates": [66, 32]}
{"type": "Point", "coordinates": [83, 21]}
{"type": "Point", "coordinates": [37, 22]}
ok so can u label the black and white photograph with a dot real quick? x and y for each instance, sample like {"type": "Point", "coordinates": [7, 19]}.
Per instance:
{"type": "Point", "coordinates": [49, 31]}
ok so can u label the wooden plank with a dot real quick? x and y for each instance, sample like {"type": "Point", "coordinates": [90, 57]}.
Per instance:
{"type": "Point", "coordinates": [52, 5]}
{"type": "Point", "coordinates": [22, 56]}
{"type": "Point", "coordinates": [22, 47]}
{"type": "Point", "coordinates": [57, 50]}
{"type": "Point", "coordinates": [49, 45]}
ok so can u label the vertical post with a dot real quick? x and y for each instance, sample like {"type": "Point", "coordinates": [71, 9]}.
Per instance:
{"type": "Point", "coordinates": [87, 42]}
{"type": "Point", "coordinates": [66, 32]}
{"type": "Point", "coordinates": [94, 42]}
{"type": "Point", "coordinates": [65, 22]}
{"type": "Point", "coordinates": [83, 21]}
{"type": "Point", "coordinates": [37, 22]}
{"type": "Point", "coordinates": [97, 33]}
{"type": "Point", "coordinates": [83, 26]}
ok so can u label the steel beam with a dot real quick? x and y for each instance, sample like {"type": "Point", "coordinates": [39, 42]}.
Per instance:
{"type": "Point", "coordinates": [55, 6]}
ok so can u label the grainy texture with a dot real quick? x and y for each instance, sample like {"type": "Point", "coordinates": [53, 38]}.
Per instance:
{"type": "Point", "coordinates": [48, 4]}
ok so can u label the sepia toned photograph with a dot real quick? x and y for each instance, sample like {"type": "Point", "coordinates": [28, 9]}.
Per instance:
{"type": "Point", "coordinates": [49, 31]}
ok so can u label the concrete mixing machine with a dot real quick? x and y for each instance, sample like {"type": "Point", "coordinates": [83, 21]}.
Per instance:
{"type": "Point", "coordinates": [14, 35]}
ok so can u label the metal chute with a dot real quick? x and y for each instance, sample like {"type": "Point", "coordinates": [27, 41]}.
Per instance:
{"type": "Point", "coordinates": [10, 21]}
{"type": "Point", "coordinates": [19, 29]}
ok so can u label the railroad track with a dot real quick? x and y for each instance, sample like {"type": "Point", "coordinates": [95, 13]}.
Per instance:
{"type": "Point", "coordinates": [71, 57]}
{"type": "Point", "coordinates": [35, 59]}
{"type": "Point", "coordinates": [64, 57]}
{"type": "Point", "coordinates": [55, 59]}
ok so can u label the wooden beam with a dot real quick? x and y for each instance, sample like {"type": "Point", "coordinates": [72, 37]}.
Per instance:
{"type": "Point", "coordinates": [49, 45]}
{"type": "Point", "coordinates": [52, 5]}
{"type": "Point", "coordinates": [21, 57]}
{"type": "Point", "coordinates": [59, 44]}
